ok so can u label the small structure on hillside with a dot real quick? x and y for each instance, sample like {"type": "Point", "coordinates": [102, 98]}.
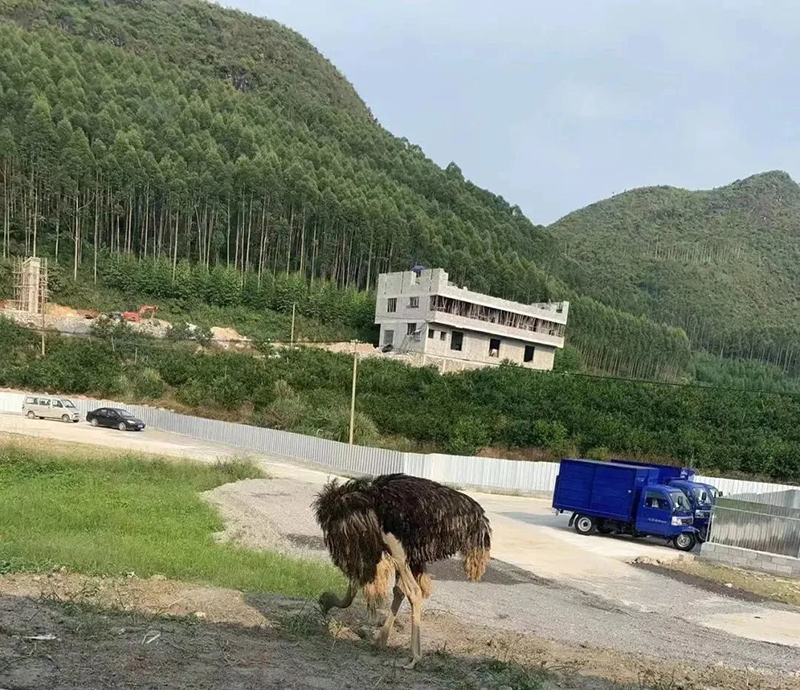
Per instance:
{"type": "Point", "coordinates": [420, 311]}
{"type": "Point", "coordinates": [30, 285]}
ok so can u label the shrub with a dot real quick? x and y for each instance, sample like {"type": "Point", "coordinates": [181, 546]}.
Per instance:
{"type": "Point", "coordinates": [469, 435]}
{"type": "Point", "coordinates": [286, 412]}
{"type": "Point", "coordinates": [335, 425]}
{"type": "Point", "coordinates": [147, 383]}
{"type": "Point", "coordinates": [182, 331]}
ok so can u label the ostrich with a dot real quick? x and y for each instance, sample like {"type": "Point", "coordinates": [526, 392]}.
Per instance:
{"type": "Point", "coordinates": [398, 523]}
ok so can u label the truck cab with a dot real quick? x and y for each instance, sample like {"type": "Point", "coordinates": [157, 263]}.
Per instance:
{"type": "Point", "coordinates": [701, 496]}
{"type": "Point", "coordinates": [665, 511]}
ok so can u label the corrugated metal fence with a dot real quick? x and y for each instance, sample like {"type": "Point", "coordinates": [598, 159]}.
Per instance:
{"type": "Point", "coordinates": [510, 476]}
{"type": "Point", "coordinates": [762, 522]}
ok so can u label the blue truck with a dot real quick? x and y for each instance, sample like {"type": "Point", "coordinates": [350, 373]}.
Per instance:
{"type": "Point", "coordinates": [624, 499]}
{"type": "Point", "coordinates": [701, 496]}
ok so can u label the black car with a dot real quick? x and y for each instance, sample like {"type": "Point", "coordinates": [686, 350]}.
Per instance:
{"type": "Point", "coordinates": [114, 417]}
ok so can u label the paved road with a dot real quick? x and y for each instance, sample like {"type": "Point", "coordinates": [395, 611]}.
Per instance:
{"type": "Point", "coordinates": [549, 580]}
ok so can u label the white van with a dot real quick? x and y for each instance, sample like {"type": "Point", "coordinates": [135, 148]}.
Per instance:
{"type": "Point", "coordinates": [50, 407]}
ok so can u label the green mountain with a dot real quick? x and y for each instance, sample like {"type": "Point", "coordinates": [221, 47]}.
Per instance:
{"type": "Point", "coordinates": [185, 135]}
{"type": "Point", "coordinates": [722, 264]}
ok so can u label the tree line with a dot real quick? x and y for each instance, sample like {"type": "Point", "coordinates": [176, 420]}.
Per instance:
{"type": "Point", "coordinates": [103, 151]}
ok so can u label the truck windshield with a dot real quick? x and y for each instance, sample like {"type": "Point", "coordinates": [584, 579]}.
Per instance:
{"type": "Point", "coordinates": [702, 496]}
{"type": "Point", "coordinates": [67, 403]}
{"type": "Point", "coordinates": [679, 501]}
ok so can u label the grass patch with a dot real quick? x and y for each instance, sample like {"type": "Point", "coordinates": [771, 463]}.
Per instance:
{"type": "Point", "coordinates": [127, 514]}
{"type": "Point", "coordinates": [513, 674]}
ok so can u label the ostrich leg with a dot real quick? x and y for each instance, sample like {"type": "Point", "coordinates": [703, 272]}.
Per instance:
{"type": "Point", "coordinates": [386, 630]}
{"type": "Point", "coordinates": [411, 589]}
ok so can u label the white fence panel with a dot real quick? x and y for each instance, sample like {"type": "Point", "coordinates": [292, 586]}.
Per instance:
{"type": "Point", "coordinates": [11, 402]}
{"type": "Point", "coordinates": [493, 473]}
{"type": "Point", "coordinates": [731, 487]}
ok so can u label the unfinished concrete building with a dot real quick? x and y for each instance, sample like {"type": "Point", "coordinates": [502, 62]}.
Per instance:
{"type": "Point", "coordinates": [422, 312]}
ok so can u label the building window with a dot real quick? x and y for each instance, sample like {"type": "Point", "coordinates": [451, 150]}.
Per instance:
{"type": "Point", "coordinates": [431, 333]}
{"type": "Point", "coordinates": [494, 347]}
{"type": "Point", "coordinates": [412, 328]}
{"type": "Point", "coordinates": [529, 350]}
{"type": "Point", "coordinates": [388, 338]}
{"type": "Point", "coordinates": [457, 341]}
{"type": "Point", "coordinates": [391, 304]}
{"type": "Point", "coordinates": [443, 335]}
{"type": "Point", "coordinates": [413, 302]}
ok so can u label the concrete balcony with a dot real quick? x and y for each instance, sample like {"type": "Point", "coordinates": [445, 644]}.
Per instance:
{"type": "Point", "coordinates": [462, 323]}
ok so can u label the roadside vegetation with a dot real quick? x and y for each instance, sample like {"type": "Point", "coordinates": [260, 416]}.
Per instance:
{"type": "Point", "coordinates": [307, 390]}
{"type": "Point", "coordinates": [128, 514]}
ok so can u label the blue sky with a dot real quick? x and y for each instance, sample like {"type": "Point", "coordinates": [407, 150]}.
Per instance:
{"type": "Point", "coordinates": [558, 104]}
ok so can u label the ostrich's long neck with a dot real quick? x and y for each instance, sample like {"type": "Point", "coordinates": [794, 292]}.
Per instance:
{"type": "Point", "coordinates": [329, 599]}
{"type": "Point", "coordinates": [344, 602]}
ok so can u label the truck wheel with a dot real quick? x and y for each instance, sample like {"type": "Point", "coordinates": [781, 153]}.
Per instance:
{"type": "Point", "coordinates": [65, 418]}
{"type": "Point", "coordinates": [584, 524]}
{"type": "Point", "coordinates": [31, 415]}
{"type": "Point", "coordinates": [684, 541]}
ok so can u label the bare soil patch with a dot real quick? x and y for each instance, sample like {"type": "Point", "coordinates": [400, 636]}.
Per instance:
{"type": "Point", "coordinates": [737, 583]}
{"type": "Point", "coordinates": [65, 631]}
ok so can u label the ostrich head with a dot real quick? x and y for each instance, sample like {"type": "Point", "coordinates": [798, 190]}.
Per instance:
{"type": "Point", "coordinates": [327, 601]}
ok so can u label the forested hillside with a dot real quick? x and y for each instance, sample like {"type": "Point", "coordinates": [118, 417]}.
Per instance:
{"type": "Point", "coordinates": [722, 264]}
{"type": "Point", "coordinates": [173, 130]}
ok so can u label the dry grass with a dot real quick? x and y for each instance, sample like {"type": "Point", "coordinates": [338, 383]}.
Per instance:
{"type": "Point", "coordinates": [784, 590]}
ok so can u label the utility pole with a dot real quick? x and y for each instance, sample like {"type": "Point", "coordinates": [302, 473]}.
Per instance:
{"type": "Point", "coordinates": [43, 292]}
{"type": "Point", "coordinates": [353, 395]}
{"type": "Point", "coordinates": [291, 337]}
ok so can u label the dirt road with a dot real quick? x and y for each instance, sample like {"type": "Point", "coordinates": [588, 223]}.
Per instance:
{"type": "Point", "coordinates": [547, 580]}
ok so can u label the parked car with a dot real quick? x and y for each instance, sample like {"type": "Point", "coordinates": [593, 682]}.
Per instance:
{"type": "Point", "coordinates": [114, 417]}
{"type": "Point", "coordinates": [50, 407]}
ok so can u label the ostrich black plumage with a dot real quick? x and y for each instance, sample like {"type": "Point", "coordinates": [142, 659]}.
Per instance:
{"type": "Point", "coordinates": [401, 523]}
